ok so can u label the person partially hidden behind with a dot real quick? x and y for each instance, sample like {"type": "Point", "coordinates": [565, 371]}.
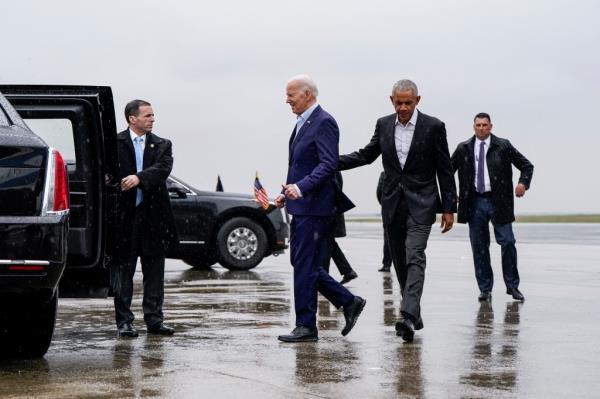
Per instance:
{"type": "Point", "coordinates": [484, 164]}
{"type": "Point", "coordinates": [386, 262]}
{"type": "Point", "coordinates": [313, 198]}
{"type": "Point", "coordinates": [334, 252]}
{"type": "Point", "coordinates": [146, 219]}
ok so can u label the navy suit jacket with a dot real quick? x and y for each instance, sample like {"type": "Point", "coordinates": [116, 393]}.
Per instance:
{"type": "Point", "coordinates": [313, 160]}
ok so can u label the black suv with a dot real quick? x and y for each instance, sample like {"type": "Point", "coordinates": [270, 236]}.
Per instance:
{"type": "Point", "coordinates": [228, 228]}
{"type": "Point", "coordinates": [47, 206]}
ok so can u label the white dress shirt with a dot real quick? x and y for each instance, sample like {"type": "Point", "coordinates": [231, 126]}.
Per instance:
{"type": "Point", "coordinates": [486, 175]}
{"type": "Point", "coordinates": [403, 135]}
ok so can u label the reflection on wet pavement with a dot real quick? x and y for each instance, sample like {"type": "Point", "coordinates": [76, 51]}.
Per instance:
{"type": "Point", "coordinates": [226, 324]}
{"type": "Point", "coordinates": [494, 359]}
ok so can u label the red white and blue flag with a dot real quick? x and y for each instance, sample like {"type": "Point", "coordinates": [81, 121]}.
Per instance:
{"type": "Point", "coordinates": [260, 193]}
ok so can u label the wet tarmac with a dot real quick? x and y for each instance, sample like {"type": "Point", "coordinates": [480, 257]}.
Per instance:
{"type": "Point", "coordinates": [227, 325]}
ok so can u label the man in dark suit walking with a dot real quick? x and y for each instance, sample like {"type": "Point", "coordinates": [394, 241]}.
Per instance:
{"type": "Point", "coordinates": [146, 219]}
{"type": "Point", "coordinates": [313, 198]}
{"type": "Point", "coordinates": [484, 164]}
{"type": "Point", "coordinates": [414, 152]}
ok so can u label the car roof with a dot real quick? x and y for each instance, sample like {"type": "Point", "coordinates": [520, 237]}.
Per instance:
{"type": "Point", "coordinates": [13, 130]}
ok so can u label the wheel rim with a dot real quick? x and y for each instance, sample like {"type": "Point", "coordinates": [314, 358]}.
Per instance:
{"type": "Point", "coordinates": [242, 243]}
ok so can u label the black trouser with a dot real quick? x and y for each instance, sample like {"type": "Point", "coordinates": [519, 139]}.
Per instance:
{"type": "Point", "coordinates": [408, 241]}
{"type": "Point", "coordinates": [153, 270]}
{"type": "Point", "coordinates": [334, 252]}
{"type": "Point", "coordinates": [387, 254]}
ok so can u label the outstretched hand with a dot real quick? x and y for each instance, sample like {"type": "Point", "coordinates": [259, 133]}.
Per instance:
{"type": "Point", "coordinates": [447, 222]}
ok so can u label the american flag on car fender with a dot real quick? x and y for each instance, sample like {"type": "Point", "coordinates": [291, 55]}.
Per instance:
{"type": "Point", "coordinates": [260, 193]}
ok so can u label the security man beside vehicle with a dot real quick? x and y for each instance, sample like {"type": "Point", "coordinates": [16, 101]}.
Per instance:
{"type": "Point", "coordinates": [147, 221]}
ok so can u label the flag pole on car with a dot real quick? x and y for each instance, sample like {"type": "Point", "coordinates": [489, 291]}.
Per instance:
{"type": "Point", "coordinates": [260, 193]}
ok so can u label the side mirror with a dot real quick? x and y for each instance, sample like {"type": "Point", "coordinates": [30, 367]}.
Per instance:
{"type": "Point", "coordinates": [177, 192]}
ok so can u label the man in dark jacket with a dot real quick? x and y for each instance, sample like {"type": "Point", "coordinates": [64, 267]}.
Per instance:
{"type": "Point", "coordinates": [148, 228]}
{"type": "Point", "coordinates": [415, 157]}
{"type": "Point", "coordinates": [484, 164]}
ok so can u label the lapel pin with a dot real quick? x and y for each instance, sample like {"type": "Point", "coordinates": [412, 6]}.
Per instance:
{"type": "Point", "coordinates": [151, 145]}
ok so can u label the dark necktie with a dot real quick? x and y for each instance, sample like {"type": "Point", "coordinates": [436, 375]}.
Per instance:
{"type": "Point", "coordinates": [480, 169]}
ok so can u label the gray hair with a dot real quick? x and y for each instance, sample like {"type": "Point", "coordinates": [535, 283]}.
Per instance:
{"type": "Point", "coordinates": [405, 85]}
{"type": "Point", "coordinates": [305, 82]}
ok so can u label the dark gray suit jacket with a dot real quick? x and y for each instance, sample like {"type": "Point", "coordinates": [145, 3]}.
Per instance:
{"type": "Point", "coordinates": [500, 158]}
{"type": "Point", "coordinates": [417, 183]}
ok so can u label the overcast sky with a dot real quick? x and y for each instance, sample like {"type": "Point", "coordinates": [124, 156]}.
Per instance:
{"type": "Point", "coordinates": [215, 73]}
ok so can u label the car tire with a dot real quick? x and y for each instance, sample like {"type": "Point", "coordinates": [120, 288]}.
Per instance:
{"type": "Point", "coordinates": [241, 243]}
{"type": "Point", "coordinates": [199, 263]}
{"type": "Point", "coordinates": [30, 328]}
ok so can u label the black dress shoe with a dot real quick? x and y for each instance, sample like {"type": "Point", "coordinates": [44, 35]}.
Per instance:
{"type": "Point", "coordinates": [385, 269]}
{"type": "Point", "coordinates": [348, 277]}
{"type": "Point", "coordinates": [351, 313]}
{"type": "Point", "coordinates": [300, 334]}
{"type": "Point", "coordinates": [161, 329]}
{"type": "Point", "coordinates": [405, 328]}
{"type": "Point", "coordinates": [419, 324]}
{"type": "Point", "coordinates": [516, 294]}
{"type": "Point", "coordinates": [127, 330]}
{"type": "Point", "coordinates": [485, 296]}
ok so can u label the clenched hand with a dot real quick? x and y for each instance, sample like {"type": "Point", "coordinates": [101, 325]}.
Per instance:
{"type": "Point", "coordinates": [129, 182]}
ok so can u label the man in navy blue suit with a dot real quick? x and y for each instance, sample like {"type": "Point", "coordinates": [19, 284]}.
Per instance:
{"type": "Point", "coordinates": [313, 198]}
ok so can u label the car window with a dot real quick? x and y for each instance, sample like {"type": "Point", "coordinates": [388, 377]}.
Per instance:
{"type": "Point", "coordinates": [173, 183]}
{"type": "Point", "coordinates": [57, 133]}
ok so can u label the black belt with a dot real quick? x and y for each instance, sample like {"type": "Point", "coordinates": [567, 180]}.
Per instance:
{"type": "Point", "coordinates": [487, 194]}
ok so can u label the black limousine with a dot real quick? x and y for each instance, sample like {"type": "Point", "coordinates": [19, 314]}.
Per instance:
{"type": "Point", "coordinates": [34, 220]}
{"type": "Point", "coordinates": [59, 210]}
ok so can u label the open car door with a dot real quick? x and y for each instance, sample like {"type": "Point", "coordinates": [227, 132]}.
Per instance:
{"type": "Point", "coordinates": [80, 122]}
